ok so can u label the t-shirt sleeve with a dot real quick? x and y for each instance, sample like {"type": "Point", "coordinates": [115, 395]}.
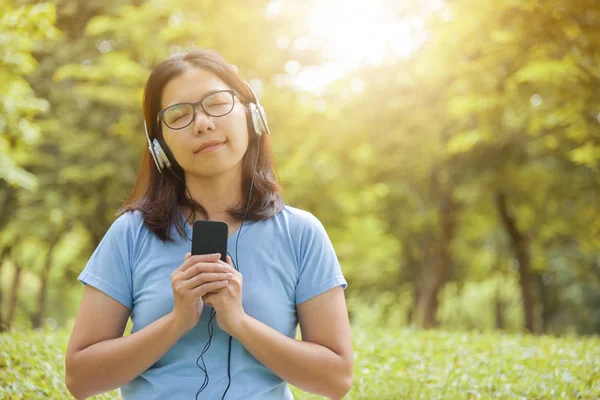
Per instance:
{"type": "Point", "coordinates": [109, 267]}
{"type": "Point", "coordinates": [319, 268]}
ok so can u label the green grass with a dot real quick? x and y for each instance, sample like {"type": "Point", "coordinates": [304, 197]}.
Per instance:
{"type": "Point", "coordinates": [405, 364]}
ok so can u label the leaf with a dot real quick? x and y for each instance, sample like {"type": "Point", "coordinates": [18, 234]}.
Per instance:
{"type": "Point", "coordinates": [587, 154]}
{"type": "Point", "coordinates": [100, 25]}
{"type": "Point", "coordinates": [463, 142]}
{"type": "Point", "coordinates": [549, 71]}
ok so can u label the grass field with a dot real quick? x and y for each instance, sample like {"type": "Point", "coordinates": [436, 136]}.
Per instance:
{"type": "Point", "coordinates": [405, 364]}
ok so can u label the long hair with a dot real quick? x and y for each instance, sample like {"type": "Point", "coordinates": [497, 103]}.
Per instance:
{"type": "Point", "coordinates": [159, 197]}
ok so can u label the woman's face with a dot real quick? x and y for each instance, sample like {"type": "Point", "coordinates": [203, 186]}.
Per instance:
{"type": "Point", "coordinates": [229, 132]}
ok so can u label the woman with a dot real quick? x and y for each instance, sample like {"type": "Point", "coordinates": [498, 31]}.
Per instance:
{"type": "Point", "coordinates": [209, 158]}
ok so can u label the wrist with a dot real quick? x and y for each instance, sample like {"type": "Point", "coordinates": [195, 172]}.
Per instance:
{"type": "Point", "coordinates": [175, 326]}
{"type": "Point", "coordinates": [239, 332]}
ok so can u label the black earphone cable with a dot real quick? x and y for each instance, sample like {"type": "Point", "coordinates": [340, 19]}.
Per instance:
{"type": "Point", "coordinates": [235, 265]}
{"type": "Point", "coordinates": [236, 262]}
{"type": "Point", "coordinates": [212, 311]}
{"type": "Point", "coordinates": [212, 314]}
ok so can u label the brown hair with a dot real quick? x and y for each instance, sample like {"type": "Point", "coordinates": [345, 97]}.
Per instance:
{"type": "Point", "coordinates": [159, 196]}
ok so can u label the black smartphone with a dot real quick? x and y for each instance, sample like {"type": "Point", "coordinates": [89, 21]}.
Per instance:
{"type": "Point", "coordinates": [210, 237]}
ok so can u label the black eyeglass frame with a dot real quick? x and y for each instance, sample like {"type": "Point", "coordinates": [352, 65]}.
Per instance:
{"type": "Point", "coordinates": [161, 113]}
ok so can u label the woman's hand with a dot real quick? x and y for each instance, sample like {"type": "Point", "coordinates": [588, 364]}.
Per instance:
{"type": "Point", "coordinates": [227, 302]}
{"type": "Point", "coordinates": [197, 276]}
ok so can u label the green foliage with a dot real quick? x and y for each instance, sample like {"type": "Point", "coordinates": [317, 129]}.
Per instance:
{"type": "Point", "coordinates": [496, 102]}
{"type": "Point", "coordinates": [402, 161]}
{"type": "Point", "coordinates": [21, 30]}
{"type": "Point", "coordinates": [403, 364]}
{"type": "Point", "coordinates": [478, 305]}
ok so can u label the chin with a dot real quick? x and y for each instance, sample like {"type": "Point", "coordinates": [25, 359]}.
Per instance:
{"type": "Point", "coordinates": [212, 171]}
{"type": "Point", "coordinates": [213, 166]}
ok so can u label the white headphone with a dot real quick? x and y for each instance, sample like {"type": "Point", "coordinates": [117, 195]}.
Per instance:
{"type": "Point", "coordinates": [258, 123]}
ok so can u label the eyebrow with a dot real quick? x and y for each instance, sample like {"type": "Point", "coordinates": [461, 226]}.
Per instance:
{"type": "Point", "coordinates": [201, 97]}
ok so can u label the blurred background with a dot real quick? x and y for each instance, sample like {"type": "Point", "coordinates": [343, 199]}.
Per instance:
{"type": "Point", "coordinates": [450, 148]}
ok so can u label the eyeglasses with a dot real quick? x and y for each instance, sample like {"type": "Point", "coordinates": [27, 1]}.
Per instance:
{"type": "Point", "coordinates": [215, 104]}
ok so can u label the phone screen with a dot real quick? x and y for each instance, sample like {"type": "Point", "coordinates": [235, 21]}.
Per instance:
{"type": "Point", "coordinates": [210, 237]}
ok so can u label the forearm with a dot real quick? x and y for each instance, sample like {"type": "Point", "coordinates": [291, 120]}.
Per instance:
{"type": "Point", "coordinates": [111, 364]}
{"type": "Point", "coordinates": [308, 366]}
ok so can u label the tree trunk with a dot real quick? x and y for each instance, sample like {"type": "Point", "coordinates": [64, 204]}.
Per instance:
{"type": "Point", "coordinates": [409, 274]}
{"type": "Point", "coordinates": [2, 328]}
{"type": "Point", "coordinates": [520, 247]}
{"type": "Point", "coordinates": [8, 203]}
{"type": "Point", "coordinates": [39, 314]}
{"type": "Point", "coordinates": [14, 295]}
{"type": "Point", "coordinates": [438, 260]}
{"type": "Point", "coordinates": [7, 209]}
{"type": "Point", "coordinates": [2, 254]}
{"type": "Point", "coordinates": [545, 303]}
{"type": "Point", "coordinates": [43, 293]}
{"type": "Point", "coordinates": [500, 306]}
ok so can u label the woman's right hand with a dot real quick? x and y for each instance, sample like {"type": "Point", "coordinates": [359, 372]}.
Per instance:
{"type": "Point", "coordinates": [194, 278]}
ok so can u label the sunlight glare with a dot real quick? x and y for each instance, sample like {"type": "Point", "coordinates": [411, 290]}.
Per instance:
{"type": "Point", "coordinates": [273, 8]}
{"type": "Point", "coordinates": [352, 33]}
{"type": "Point", "coordinates": [357, 31]}
{"type": "Point", "coordinates": [314, 78]}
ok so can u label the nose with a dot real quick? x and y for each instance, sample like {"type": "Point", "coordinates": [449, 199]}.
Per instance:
{"type": "Point", "coordinates": [202, 121]}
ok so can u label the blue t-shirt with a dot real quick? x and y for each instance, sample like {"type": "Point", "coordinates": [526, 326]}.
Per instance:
{"type": "Point", "coordinates": [284, 260]}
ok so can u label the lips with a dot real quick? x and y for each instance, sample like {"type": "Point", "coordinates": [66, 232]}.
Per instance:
{"type": "Point", "coordinates": [208, 144]}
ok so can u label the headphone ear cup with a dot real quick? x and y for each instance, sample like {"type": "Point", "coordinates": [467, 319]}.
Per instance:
{"type": "Point", "coordinates": [258, 118]}
{"type": "Point", "coordinates": [263, 119]}
{"type": "Point", "coordinates": [160, 157]}
{"type": "Point", "coordinates": [153, 153]}
{"type": "Point", "coordinates": [254, 118]}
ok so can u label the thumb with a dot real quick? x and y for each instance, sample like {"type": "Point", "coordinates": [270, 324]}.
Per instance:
{"type": "Point", "coordinates": [199, 306]}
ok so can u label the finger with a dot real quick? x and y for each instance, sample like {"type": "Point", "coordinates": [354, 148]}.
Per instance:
{"type": "Point", "coordinates": [187, 262]}
{"type": "Point", "coordinates": [200, 291]}
{"type": "Point", "coordinates": [199, 305]}
{"type": "Point", "coordinates": [203, 267]}
{"type": "Point", "coordinates": [201, 279]}
{"type": "Point", "coordinates": [198, 258]}
{"type": "Point", "coordinates": [227, 265]}
{"type": "Point", "coordinates": [210, 297]}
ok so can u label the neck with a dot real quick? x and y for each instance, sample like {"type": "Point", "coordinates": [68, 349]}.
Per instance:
{"type": "Point", "coordinates": [216, 193]}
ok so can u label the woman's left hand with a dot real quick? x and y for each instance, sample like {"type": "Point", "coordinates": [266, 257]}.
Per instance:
{"type": "Point", "coordinates": [227, 303]}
